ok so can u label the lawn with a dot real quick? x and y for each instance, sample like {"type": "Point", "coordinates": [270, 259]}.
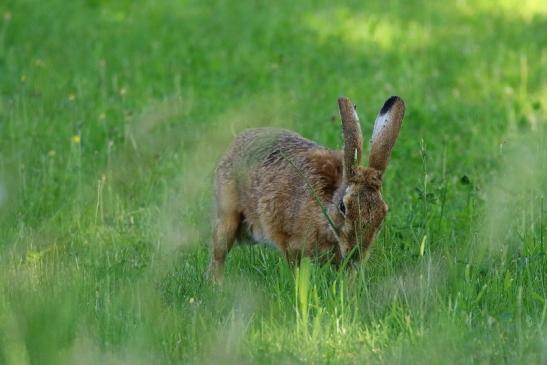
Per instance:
{"type": "Point", "coordinates": [114, 113]}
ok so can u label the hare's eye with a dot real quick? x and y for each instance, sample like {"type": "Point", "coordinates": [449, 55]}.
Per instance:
{"type": "Point", "coordinates": [342, 207]}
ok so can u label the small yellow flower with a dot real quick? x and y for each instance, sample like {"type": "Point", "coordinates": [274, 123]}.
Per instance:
{"type": "Point", "coordinates": [23, 78]}
{"type": "Point", "coordinates": [123, 91]}
{"type": "Point", "coordinates": [33, 256]}
{"type": "Point", "coordinates": [75, 139]}
{"type": "Point", "coordinates": [71, 97]}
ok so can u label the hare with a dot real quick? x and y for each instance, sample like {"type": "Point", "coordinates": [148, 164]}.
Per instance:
{"type": "Point", "coordinates": [277, 187]}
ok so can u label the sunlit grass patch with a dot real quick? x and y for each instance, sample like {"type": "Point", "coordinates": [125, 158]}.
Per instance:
{"type": "Point", "coordinates": [363, 30]}
{"type": "Point", "coordinates": [524, 10]}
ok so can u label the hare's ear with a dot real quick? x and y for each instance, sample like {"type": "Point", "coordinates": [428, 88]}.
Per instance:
{"type": "Point", "coordinates": [353, 140]}
{"type": "Point", "coordinates": [386, 129]}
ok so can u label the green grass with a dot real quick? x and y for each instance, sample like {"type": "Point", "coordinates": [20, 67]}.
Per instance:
{"type": "Point", "coordinates": [113, 113]}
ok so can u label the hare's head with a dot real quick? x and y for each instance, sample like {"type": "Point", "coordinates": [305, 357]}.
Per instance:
{"type": "Point", "coordinates": [359, 201]}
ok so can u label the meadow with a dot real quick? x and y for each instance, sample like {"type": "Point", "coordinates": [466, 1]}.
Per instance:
{"type": "Point", "coordinates": [114, 113]}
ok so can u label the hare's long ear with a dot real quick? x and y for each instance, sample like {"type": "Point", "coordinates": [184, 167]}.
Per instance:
{"type": "Point", "coordinates": [386, 129]}
{"type": "Point", "coordinates": [353, 139]}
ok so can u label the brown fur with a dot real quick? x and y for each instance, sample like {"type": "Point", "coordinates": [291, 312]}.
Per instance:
{"type": "Point", "coordinates": [267, 186]}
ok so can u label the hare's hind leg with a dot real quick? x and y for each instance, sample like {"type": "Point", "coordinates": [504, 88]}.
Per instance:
{"type": "Point", "coordinates": [228, 220]}
{"type": "Point", "coordinates": [223, 239]}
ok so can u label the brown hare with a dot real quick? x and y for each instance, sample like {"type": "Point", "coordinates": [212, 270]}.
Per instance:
{"type": "Point", "coordinates": [277, 187]}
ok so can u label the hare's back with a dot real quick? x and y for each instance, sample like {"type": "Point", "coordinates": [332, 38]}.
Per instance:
{"type": "Point", "coordinates": [265, 147]}
{"type": "Point", "coordinates": [259, 143]}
